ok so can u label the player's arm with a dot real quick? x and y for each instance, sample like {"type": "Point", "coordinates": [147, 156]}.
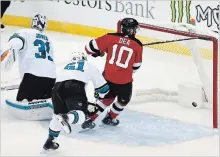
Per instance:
{"type": "Point", "coordinates": [97, 47]}
{"type": "Point", "coordinates": [9, 56]}
{"type": "Point", "coordinates": [138, 59]}
{"type": "Point", "coordinates": [51, 50]}
{"type": "Point", "coordinates": [100, 84]}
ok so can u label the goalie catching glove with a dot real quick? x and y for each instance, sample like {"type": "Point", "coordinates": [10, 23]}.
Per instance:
{"type": "Point", "coordinates": [7, 59]}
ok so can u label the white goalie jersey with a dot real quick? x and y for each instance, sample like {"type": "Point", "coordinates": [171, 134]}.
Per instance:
{"type": "Point", "coordinates": [33, 50]}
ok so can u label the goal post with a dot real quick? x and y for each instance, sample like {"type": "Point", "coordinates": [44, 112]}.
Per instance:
{"type": "Point", "coordinates": [191, 37]}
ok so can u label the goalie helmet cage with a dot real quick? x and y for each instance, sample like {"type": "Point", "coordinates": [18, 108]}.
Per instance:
{"type": "Point", "coordinates": [192, 35]}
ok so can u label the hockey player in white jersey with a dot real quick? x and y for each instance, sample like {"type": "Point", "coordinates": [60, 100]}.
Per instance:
{"type": "Point", "coordinates": [34, 52]}
{"type": "Point", "coordinates": [69, 96]}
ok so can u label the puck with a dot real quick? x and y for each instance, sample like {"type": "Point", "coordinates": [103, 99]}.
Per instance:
{"type": "Point", "coordinates": [194, 104]}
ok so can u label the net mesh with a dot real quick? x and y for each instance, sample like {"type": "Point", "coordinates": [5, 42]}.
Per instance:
{"type": "Point", "coordinates": [148, 36]}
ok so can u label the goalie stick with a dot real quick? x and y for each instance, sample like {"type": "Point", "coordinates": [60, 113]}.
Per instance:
{"type": "Point", "coordinates": [13, 87]}
{"type": "Point", "coordinates": [10, 87]}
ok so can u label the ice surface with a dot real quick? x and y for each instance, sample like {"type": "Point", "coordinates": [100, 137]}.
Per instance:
{"type": "Point", "coordinates": [141, 129]}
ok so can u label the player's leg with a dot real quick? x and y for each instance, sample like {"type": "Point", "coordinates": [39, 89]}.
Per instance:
{"type": "Point", "coordinates": [33, 88]}
{"type": "Point", "coordinates": [123, 98]}
{"type": "Point", "coordinates": [124, 93]}
{"type": "Point", "coordinates": [100, 106]}
{"type": "Point", "coordinates": [45, 86]}
{"type": "Point", "coordinates": [25, 87]}
{"type": "Point", "coordinates": [77, 102]}
{"type": "Point", "coordinates": [75, 98]}
{"type": "Point", "coordinates": [102, 103]}
{"type": "Point", "coordinates": [54, 126]}
{"type": "Point", "coordinates": [108, 99]}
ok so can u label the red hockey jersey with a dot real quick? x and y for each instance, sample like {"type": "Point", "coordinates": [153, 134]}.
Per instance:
{"type": "Point", "coordinates": [124, 56]}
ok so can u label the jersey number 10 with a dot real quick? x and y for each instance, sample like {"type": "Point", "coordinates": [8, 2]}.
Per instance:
{"type": "Point", "coordinates": [44, 49]}
{"type": "Point", "coordinates": [120, 54]}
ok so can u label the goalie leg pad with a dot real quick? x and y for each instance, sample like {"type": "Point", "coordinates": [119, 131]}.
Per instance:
{"type": "Point", "coordinates": [35, 110]}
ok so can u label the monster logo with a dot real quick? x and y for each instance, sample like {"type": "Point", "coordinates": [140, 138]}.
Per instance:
{"type": "Point", "coordinates": [178, 10]}
{"type": "Point", "coordinates": [208, 14]}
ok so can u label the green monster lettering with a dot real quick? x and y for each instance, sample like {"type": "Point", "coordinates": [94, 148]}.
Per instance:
{"type": "Point", "coordinates": [178, 10]}
{"type": "Point", "coordinates": [188, 15]}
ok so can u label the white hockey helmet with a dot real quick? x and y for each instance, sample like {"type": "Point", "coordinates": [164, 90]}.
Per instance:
{"type": "Point", "coordinates": [79, 56]}
{"type": "Point", "coordinates": [39, 22]}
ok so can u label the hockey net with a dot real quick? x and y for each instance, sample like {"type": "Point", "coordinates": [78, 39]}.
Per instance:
{"type": "Point", "coordinates": [177, 55]}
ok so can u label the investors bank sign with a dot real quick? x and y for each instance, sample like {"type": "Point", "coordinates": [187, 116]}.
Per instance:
{"type": "Point", "coordinates": [138, 8]}
{"type": "Point", "coordinates": [206, 13]}
{"type": "Point", "coordinates": [106, 13]}
{"type": "Point", "coordinates": [147, 11]}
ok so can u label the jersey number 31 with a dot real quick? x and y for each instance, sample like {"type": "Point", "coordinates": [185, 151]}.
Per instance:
{"type": "Point", "coordinates": [44, 49]}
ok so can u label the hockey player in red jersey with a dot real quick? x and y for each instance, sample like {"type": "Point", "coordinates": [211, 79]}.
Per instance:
{"type": "Point", "coordinates": [124, 57]}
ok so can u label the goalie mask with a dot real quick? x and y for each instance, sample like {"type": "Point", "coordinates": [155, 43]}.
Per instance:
{"type": "Point", "coordinates": [79, 56]}
{"type": "Point", "coordinates": [129, 26]}
{"type": "Point", "coordinates": [39, 22]}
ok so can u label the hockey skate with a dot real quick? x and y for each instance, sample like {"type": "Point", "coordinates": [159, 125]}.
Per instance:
{"type": "Point", "coordinates": [50, 144]}
{"type": "Point", "coordinates": [109, 121]}
{"type": "Point", "coordinates": [63, 120]}
{"type": "Point", "coordinates": [87, 125]}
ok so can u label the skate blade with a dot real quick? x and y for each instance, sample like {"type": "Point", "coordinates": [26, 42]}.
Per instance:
{"type": "Point", "coordinates": [106, 125]}
{"type": "Point", "coordinates": [102, 125]}
{"type": "Point", "coordinates": [49, 152]}
{"type": "Point", "coordinates": [67, 130]}
{"type": "Point", "coordinates": [86, 130]}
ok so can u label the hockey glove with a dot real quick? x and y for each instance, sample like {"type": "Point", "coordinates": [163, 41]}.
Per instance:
{"type": "Point", "coordinates": [94, 55]}
{"type": "Point", "coordinates": [8, 58]}
{"type": "Point", "coordinates": [92, 108]}
{"type": "Point", "coordinates": [96, 95]}
{"type": "Point", "coordinates": [98, 54]}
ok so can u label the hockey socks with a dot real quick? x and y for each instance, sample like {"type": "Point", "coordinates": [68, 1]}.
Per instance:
{"type": "Point", "coordinates": [102, 104]}
{"type": "Point", "coordinates": [116, 109]}
{"type": "Point", "coordinates": [76, 117]}
{"type": "Point", "coordinates": [54, 127]}
{"type": "Point", "coordinates": [63, 121]}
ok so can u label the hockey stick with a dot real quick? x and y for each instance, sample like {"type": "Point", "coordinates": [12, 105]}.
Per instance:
{"type": "Point", "coordinates": [13, 87]}
{"type": "Point", "coordinates": [171, 41]}
{"type": "Point", "coordinates": [10, 87]}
